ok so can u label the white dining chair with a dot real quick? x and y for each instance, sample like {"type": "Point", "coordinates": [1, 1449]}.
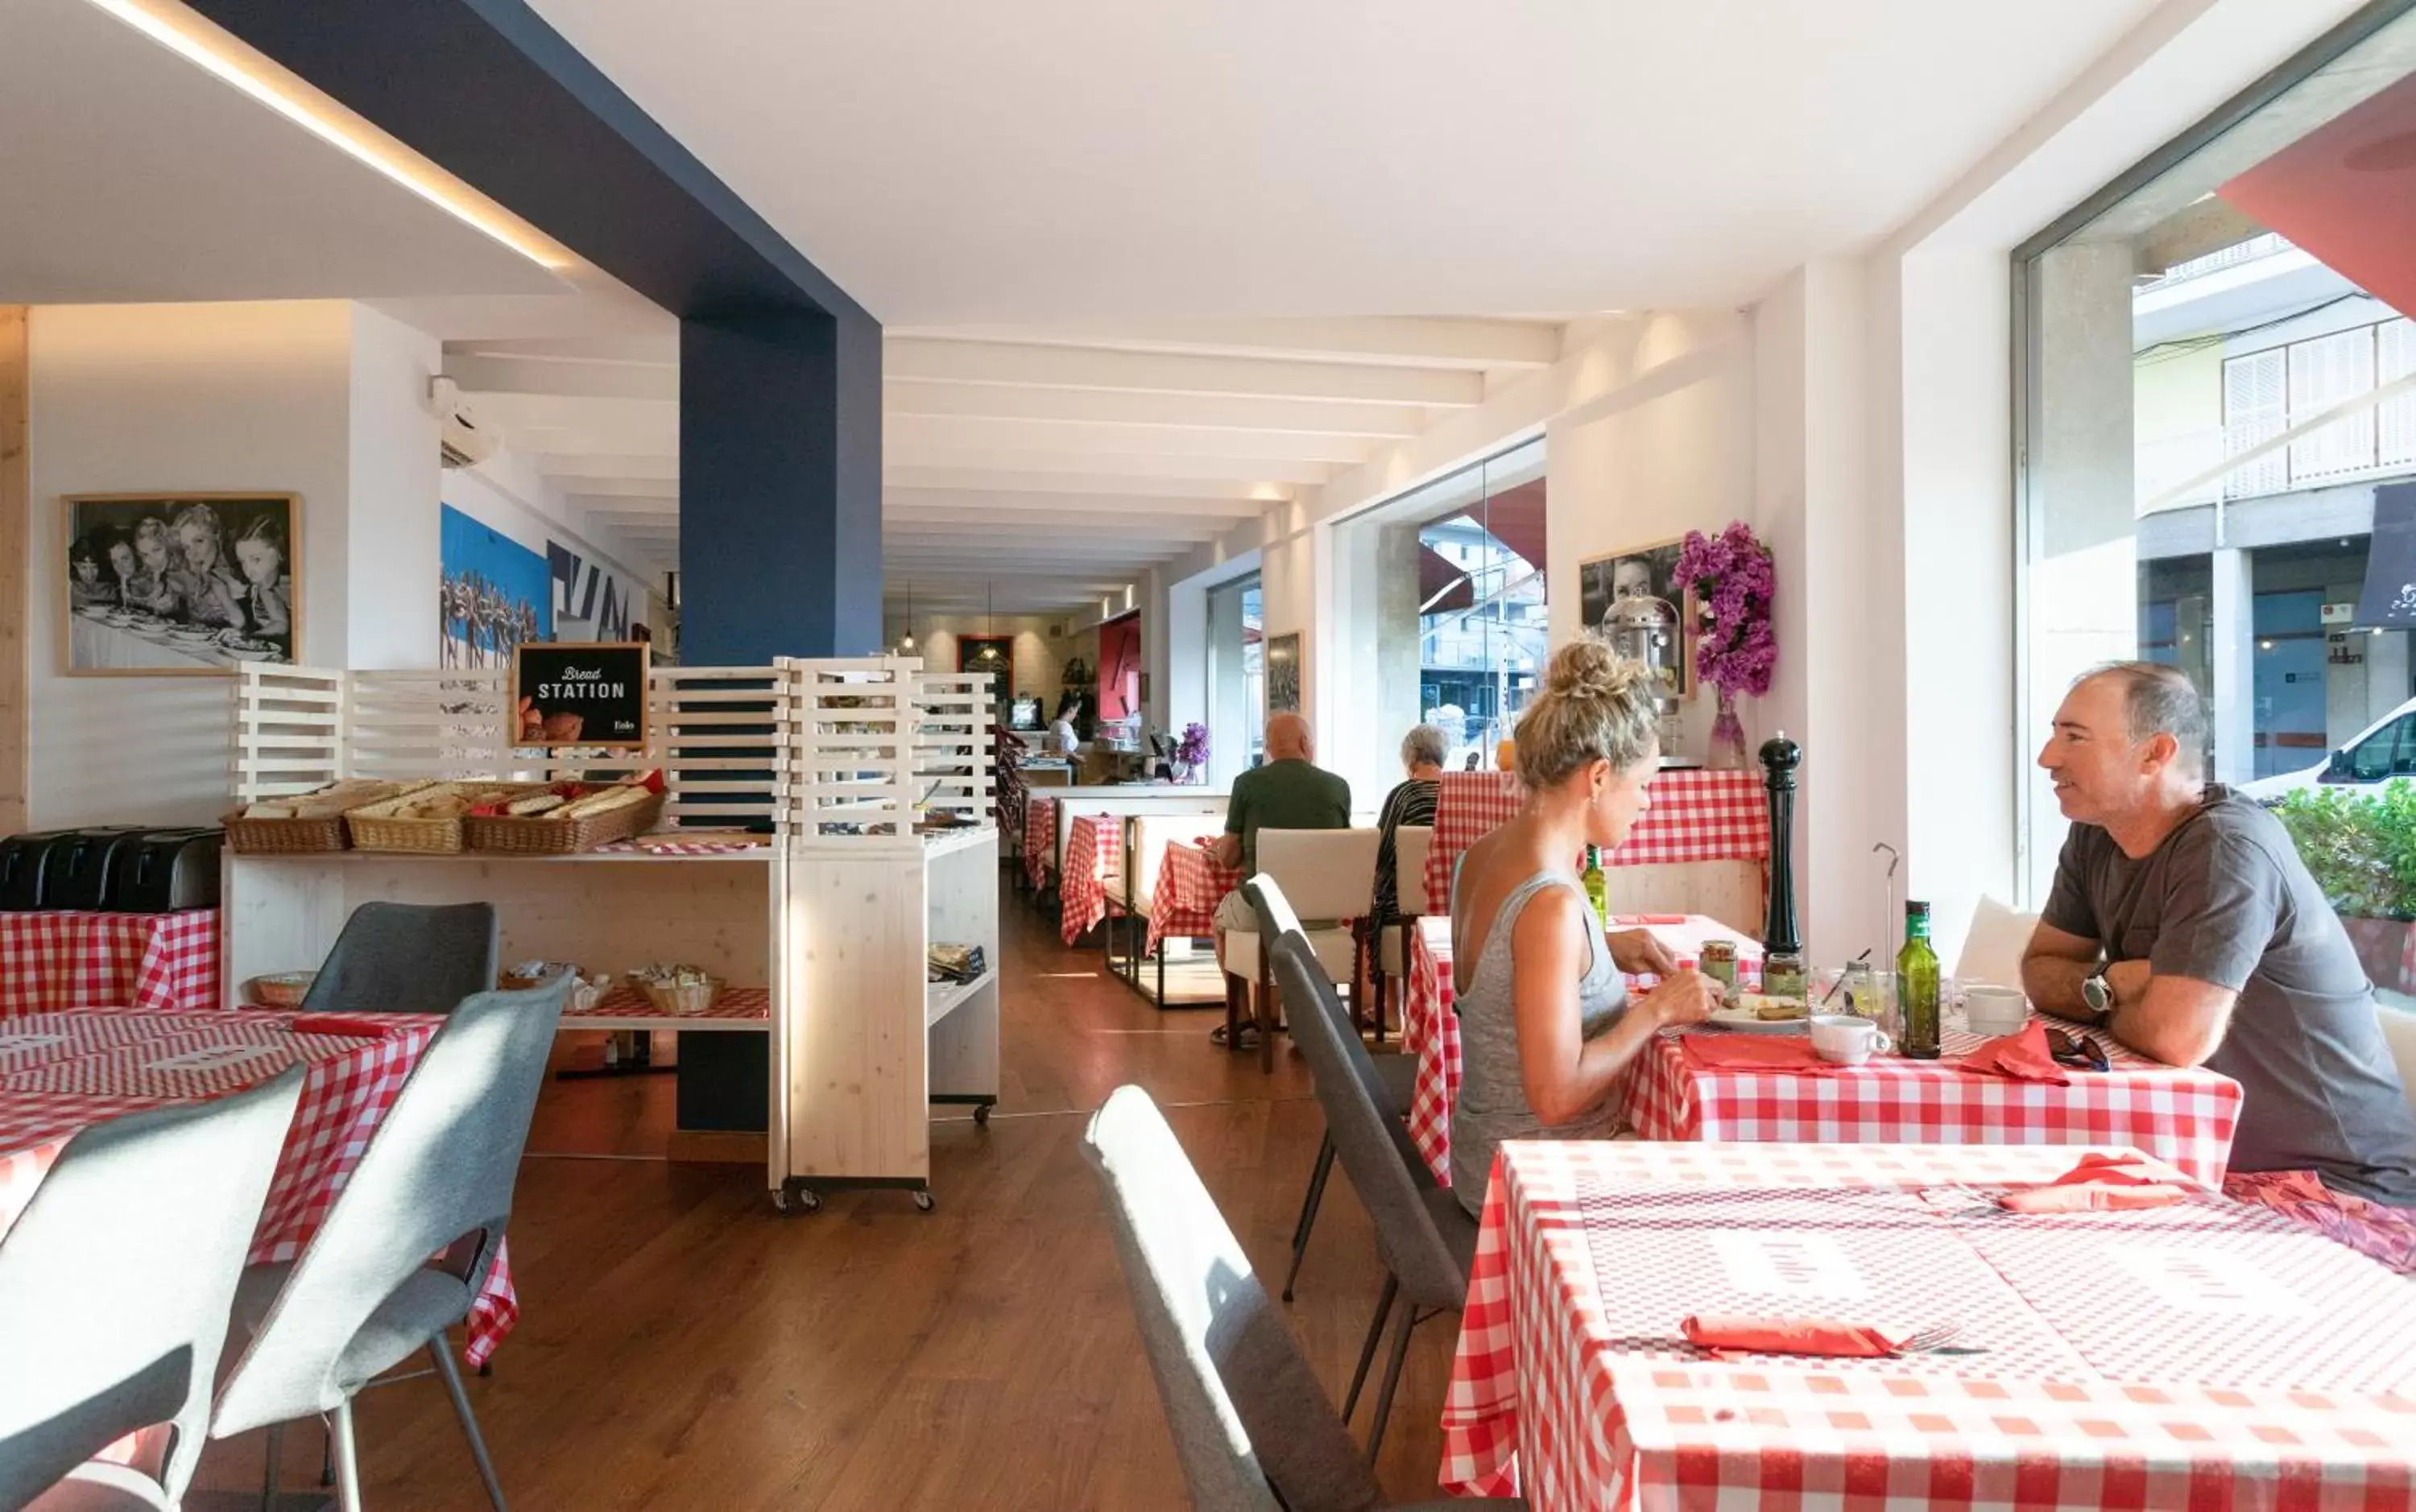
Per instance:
{"type": "Point", "coordinates": [1993, 946]}
{"type": "Point", "coordinates": [1330, 876]}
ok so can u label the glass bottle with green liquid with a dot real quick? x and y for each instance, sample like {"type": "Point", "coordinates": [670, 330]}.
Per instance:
{"type": "Point", "coordinates": [1597, 887]}
{"type": "Point", "coordinates": [1916, 980]}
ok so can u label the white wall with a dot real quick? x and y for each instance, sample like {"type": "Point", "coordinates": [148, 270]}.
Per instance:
{"type": "Point", "coordinates": [178, 398]}
{"type": "Point", "coordinates": [391, 543]}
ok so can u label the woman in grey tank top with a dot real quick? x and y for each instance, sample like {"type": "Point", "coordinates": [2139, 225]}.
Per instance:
{"type": "Point", "coordinates": [1546, 1027]}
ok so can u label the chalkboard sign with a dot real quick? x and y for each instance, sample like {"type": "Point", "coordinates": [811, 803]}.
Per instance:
{"type": "Point", "coordinates": [578, 694]}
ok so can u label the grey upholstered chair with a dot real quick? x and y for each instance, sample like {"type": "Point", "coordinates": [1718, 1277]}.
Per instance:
{"type": "Point", "coordinates": [115, 1287]}
{"type": "Point", "coordinates": [1249, 1420]}
{"type": "Point", "coordinates": [1395, 1084]}
{"type": "Point", "coordinates": [365, 1297]}
{"type": "Point", "coordinates": [1427, 1239]}
{"type": "Point", "coordinates": [407, 958]}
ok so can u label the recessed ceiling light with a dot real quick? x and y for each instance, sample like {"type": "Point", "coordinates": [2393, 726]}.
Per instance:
{"type": "Point", "coordinates": [225, 57]}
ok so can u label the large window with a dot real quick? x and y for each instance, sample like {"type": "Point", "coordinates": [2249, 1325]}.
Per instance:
{"type": "Point", "coordinates": [2219, 424]}
{"type": "Point", "coordinates": [1237, 685]}
{"type": "Point", "coordinates": [1440, 595]}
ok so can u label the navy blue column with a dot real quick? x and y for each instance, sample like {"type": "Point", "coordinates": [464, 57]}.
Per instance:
{"type": "Point", "coordinates": [779, 486]}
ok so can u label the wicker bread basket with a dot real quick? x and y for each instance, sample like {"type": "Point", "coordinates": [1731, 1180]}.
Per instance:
{"type": "Point", "coordinates": [537, 835]}
{"type": "Point", "coordinates": [301, 837]}
{"type": "Point", "coordinates": [381, 826]}
{"type": "Point", "coordinates": [684, 1001]}
{"type": "Point", "coordinates": [282, 989]}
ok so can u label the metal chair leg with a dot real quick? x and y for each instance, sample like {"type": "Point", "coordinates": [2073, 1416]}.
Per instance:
{"type": "Point", "coordinates": [348, 1458]}
{"type": "Point", "coordinates": [268, 1473]}
{"type": "Point", "coordinates": [1392, 1379]}
{"type": "Point", "coordinates": [1308, 1205]}
{"type": "Point", "coordinates": [1269, 1012]}
{"type": "Point", "coordinates": [440, 1351]}
{"type": "Point", "coordinates": [1368, 1349]}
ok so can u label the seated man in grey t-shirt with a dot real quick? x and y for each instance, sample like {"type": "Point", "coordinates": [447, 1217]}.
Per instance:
{"type": "Point", "coordinates": [2184, 924]}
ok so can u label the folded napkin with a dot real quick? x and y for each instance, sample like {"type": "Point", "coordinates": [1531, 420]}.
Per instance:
{"type": "Point", "coordinates": [2099, 1184]}
{"type": "Point", "coordinates": [1754, 1052]}
{"type": "Point", "coordinates": [1789, 1336]}
{"type": "Point", "coordinates": [2022, 1058]}
{"type": "Point", "coordinates": [356, 1026]}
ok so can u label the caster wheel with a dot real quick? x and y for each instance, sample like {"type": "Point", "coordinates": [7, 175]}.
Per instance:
{"type": "Point", "coordinates": [925, 1201]}
{"type": "Point", "coordinates": [809, 1201]}
{"type": "Point", "coordinates": [981, 1113]}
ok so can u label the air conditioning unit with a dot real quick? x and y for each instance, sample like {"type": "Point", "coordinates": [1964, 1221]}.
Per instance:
{"type": "Point", "coordinates": [465, 441]}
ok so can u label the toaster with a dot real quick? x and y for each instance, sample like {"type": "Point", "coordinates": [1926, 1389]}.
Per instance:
{"type": "Point", "coordinates": [24, 868]}
{"type": "Point", "coordinates": [82, 863]}
{"type": "Point", "coordinates": [162, 871]}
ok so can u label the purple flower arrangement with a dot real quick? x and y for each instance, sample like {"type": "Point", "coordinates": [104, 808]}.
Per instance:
{"type": "Point", "coordinates": [1192, 750]}
{"type": "Point", "coordinates": [1732, 579]}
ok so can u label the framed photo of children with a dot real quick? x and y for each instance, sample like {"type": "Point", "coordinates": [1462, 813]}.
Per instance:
{"type": "Point", "coordinates": [169, 584]}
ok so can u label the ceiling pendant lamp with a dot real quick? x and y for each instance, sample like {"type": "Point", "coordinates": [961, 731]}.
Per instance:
{"type": "Point", "coordinates": [906, 642]}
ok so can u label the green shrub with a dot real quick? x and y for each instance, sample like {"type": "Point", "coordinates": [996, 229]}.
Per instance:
{"type": "Point", "coordinates": [2359, 845]}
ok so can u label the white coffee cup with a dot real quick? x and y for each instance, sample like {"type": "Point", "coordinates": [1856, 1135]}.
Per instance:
{"type": "Point", "coordinates": [1992, 1009]}
{"type": "Point", "coordinates": [1847, 1039]}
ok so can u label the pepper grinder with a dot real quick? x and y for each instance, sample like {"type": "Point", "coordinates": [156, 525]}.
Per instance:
{"type": "Point", "coordinates": [1780, 756]}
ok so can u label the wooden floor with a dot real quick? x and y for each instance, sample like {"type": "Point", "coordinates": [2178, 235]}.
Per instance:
{"type": "Point", "coordinates": [682, 1346]}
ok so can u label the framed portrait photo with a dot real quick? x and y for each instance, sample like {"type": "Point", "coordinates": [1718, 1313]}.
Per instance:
{"type": "Point", "coordinates": [179, 584]}
{"type": "Point", "coordinates": [1644, 572]}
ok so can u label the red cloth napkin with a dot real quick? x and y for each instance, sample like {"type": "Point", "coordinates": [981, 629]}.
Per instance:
{"type": "Point", "coordinates": [1789, 1336]}
{"type": "Point", "coordinates": [358, 1026]}
{"type": "Point", "coordinates": [2099, 1184]}
{"type": "Point", "coordinates": [2022, 1058]}
{"type": "Point", "coordinates": [1754, 1052]}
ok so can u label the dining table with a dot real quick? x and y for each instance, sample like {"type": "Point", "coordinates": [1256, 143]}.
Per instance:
{"type": "Point", "coordinates": [2185, 1114]}
{"type": "Point", "coordinates": [1430, 1023]}
{"type": "Point", "coordinates": [1191, 882]}
{"type": "Point", "coordinates": [2206, 1353]}
{"type": "Point", "coordinates": [62, 958]}
{"type": "Point", "coordinates": [67, 1071]}
{"type": "Point", "coordinates": [1039, 839]}
{"type": "Point", "coordinates": [1094, 845]}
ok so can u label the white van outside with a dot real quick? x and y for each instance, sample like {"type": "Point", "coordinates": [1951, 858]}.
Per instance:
{"type": "Point", "coordinates": [2383, 750]}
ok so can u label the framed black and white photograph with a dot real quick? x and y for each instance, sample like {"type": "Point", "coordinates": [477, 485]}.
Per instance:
{"type": "Point", "coordinates": [1649, 572]}
{"type": "Point", "coordinates": [1283, 673]}
{"type": "Point", "coordinates": [172, 584]}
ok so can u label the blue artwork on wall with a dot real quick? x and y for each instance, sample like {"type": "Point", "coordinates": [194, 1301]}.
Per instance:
{"type": "Point", "coordinates": [497, 593]}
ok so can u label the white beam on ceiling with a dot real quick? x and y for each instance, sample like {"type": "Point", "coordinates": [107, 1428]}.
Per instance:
{"type": "Point", "coordinates": [583, 465]}
{"type": "Point", "coordinates": [912, 435]}
{"type": "Point", "coordinates": [1143, 527]}
{"type": "Point", "coordinates": [1472, 345]}
{"type": "Point", "coordinates": [1211, 411]}
{"type": "Point", "coordinates": [485, 375]}
{"type": "Point", "coordinates": [1258, 496]}
{"type": "Point", "coordinates": [1038, 464]}
{"type": "Point", "coordinates": [1007, 501]}
{"type": "Point", "coordinates": [987, 362]}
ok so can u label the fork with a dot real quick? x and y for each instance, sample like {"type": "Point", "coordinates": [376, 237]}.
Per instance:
{"type": "Point", "coordinates": [1931, 1340]}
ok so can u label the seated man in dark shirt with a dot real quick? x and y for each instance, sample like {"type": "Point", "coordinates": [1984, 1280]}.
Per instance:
{"type": "Point", "coordinates": [2184, 924]}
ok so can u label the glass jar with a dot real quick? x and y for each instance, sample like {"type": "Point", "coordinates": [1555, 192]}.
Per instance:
{"type": "Point", "coordinates": [1719, 963]}
{"type": "Point", "coordinates": [1782, 975]}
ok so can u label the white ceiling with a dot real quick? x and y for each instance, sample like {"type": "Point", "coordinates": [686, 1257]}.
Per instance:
{"type": "Point", "coordinates": [131, 175]}
{"type": "Point", "coordinates": [1086, 160]}
{"type": "Point", "coordinates": [1028, 470]}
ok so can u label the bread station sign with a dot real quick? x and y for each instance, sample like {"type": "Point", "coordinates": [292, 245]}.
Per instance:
{"type": "Point", "coordinates": [583, 694]}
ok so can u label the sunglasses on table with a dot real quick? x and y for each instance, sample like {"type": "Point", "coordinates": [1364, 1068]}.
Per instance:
{"type": "Point", "coordinates": [2078, 1051]}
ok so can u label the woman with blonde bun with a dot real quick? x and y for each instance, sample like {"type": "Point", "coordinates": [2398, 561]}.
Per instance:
{"type": "Point", "coordinates": [1545, 1025]}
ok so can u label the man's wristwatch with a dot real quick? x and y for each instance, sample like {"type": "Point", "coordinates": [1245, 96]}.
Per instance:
{"type": "Point", "coordinates": [2097, 993]}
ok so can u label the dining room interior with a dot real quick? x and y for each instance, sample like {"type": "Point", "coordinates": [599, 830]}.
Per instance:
{"type": "Point", "coordinates": [874, 757]}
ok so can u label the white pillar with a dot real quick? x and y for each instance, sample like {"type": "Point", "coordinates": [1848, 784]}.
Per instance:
{"type": "Point", "coordinates": [2232, 666]}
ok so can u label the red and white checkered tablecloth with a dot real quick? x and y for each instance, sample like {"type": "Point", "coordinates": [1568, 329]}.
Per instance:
{"type": "Point", "coordinates": [1695, 817]}
{"type": "Point", "coordinates": [1430, 1027]}
{"type": "Point", "coordinates": [1191, 884]}
{"type": "Point", "coordinates": [1094, 844]}
{"type": "Point", "coordinates": [69, 959]}
{"type": "Point", "coordinates": [2207, 1356]}
{"type": "Point", "coordinates": [1039, 839]}
{"type": "Point", "coordinates": [2182, 1116]}
{"type": "Point", "coordinates": [62, 1072]}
